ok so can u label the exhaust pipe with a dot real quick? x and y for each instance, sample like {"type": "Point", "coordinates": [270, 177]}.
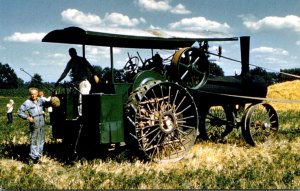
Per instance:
{"type": "Point", "coordinates": [245, 49]}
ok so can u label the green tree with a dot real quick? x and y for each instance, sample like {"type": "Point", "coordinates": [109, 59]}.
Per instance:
{"type": "Point", "coordinates": [269, 77]}
{"type": "Point", "coordinates": [283, 77]}
{"type": "Point", "coordinates": [106, 75]}
{"type": "Point", "coordinates": [98, 69]}
{"type": "Point", "coordinates": [8, 77]}
{"type": "Point", "coordinates": [20, 82]}
{"type": "Point", "coordinates": [215, 70]}
{"type": "Point", "coordinates": [36, 81]}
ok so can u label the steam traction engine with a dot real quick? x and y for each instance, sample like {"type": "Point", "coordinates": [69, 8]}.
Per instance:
{"type": "Point", "coordinates": [161, 109]}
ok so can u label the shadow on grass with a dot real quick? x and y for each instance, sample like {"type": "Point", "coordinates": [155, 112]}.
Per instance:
{"type": "Point", "coordinates": [66, 154]}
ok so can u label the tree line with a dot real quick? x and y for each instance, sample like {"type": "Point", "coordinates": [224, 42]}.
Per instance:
{"type": "Point", "coordinates": [9, 79]}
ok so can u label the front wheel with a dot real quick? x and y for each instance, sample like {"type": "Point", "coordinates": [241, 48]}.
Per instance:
{"type": "Point", "coordinates": [260, 121]}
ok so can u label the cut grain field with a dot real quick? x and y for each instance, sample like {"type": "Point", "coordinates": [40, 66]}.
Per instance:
{"type": "Point", "coordinates": [274, 164]}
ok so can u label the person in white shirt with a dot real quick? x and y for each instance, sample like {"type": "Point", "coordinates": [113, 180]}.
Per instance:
{"type": "Point", "coordinates": [10, 108]}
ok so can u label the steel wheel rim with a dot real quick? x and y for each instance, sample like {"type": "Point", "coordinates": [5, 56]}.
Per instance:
{"type": "Point", "coordinates": [260, 123]}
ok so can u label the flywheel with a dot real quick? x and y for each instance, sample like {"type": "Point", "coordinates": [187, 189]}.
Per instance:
{"type": "Point", "coordinates": [191, 67]}
{"type": "Point", "coordinates": [162, 121]}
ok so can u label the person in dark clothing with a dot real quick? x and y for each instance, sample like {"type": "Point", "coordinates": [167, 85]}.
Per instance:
{"type": "Point", "coordinates": [80, 68]}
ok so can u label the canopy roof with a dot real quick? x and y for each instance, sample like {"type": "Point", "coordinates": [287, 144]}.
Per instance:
{"type": "Point", "coordinates": [76, 35]}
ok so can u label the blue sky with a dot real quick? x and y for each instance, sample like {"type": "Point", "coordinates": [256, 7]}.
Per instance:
{"type": "Point", "coordinates": [273, 25]}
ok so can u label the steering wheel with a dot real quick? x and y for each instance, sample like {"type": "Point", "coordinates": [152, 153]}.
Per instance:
{"type": "Point", "coordinates": [131, 65]}
{"type": "Point", "coordinates": [147, 64]}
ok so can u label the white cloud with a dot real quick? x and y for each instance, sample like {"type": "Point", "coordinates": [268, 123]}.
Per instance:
{"type": "Point", "coordinates": [273, 22]}
{"type": "Point", "coordinates": [180, 9]}
{"type": "Point", "coordinates": [97, 52]}
{"type": "Point", "coordinates": [270, 50]}
{"type": "Point", "coordinates": [88, 20]}
{"type": "Point", "coordinates": [298, 42]}
{"type": "Point", "coordinates": [142, 20]}
{"type": "Point", "coordinates": [59, 55]}
{"type": "Point", "coordinates": [79, 18]}
{"type": "Point", "coordinates": [118, 19]}
{"type": "Point", "coordinates": [36, 52]}
{"type": "Point", "coordinates": [163, 5]}
{"type": "Point", "coordinates": [153, 5]}
{"type": "Point", "coordinates": [199, 24]}
{"type": "Point", "coordinates": [25, 37]}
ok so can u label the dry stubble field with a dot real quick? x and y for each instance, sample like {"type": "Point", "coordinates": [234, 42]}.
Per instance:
{"type": "Point", "coordinates": [274, 164]}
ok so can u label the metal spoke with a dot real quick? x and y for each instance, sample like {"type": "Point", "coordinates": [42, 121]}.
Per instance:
{"type": "Point", "coordinates": [192, 67]}
{"type": "Point", "coordinates": [180, 103]}
{"type": "Point", "coordinates": [146, 135]}
{"type": "Point", "coordinates": [185, 73]}
{"type": "Point", "coordinates": [174, 101]}
{"type": "Point", "coordinates": [178, 113]}
{"type": "Point", "coordinates": [150, 142]}
{"type": "Point", "coordinates": [188, 117]}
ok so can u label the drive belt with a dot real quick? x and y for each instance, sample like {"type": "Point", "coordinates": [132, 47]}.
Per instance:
{"type": "Point", "coordinates": [254, 98]}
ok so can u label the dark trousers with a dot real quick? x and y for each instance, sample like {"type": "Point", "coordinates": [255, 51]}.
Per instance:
{"type": "Point", "coordinates": [9, 117]}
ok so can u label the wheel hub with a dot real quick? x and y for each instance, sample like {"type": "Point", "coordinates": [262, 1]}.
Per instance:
{"type": "Point", "coordinates": [167, 122]}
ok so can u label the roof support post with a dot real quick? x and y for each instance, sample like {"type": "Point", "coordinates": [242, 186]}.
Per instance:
{"type": "Point", "coordinates": [112, 64]}
{"type": "Point", "coordinates": [83, 51]}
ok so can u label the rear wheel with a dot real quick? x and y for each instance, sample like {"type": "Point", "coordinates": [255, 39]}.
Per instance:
{"type": "Point", "coordinates": [162, 119]}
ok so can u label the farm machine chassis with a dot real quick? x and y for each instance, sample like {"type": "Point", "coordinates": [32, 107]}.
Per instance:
{"type": "Point", "coordinates": [161, 109]}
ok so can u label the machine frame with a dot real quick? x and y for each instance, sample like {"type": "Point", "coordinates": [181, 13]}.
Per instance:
{"type": "Point", "coordinates": [160, 113]}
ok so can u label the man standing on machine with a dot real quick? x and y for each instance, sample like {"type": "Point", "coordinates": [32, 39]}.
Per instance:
{"type": "Point", "coordinates": [80, 69]}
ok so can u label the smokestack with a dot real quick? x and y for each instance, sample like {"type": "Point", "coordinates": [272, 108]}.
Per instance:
{"type": "Point", "coordinates": [245, 49]}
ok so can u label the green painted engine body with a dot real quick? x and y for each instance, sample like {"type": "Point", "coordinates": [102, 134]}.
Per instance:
{"type": "Point", "coordinates": [102, 113]}
{"type": "Point", "coordinates": [103, 117]}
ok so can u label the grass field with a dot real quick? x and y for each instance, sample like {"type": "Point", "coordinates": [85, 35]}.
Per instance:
{"type": "Point", "coordinates": [274, 164]}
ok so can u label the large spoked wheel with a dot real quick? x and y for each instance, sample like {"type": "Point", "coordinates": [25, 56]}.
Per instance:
{"type": "Point", "coordinates": [163, 120]}
{"type": "Point", "coordinates": [218, 122]}
{"type": "Point", "coordinates": [260, 122]}
{"type": "Point", "coordinates": [191, 66]}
